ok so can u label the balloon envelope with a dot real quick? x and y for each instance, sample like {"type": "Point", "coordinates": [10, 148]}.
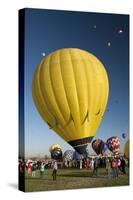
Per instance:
{"type": "Point", "coordinates": [99, 146]}
{"type": "Point", "coordinates": [56, 154]}
{"type": "Point", "coordinates": [68, 155]}
{"type": "Point", "coordinates": [77, 156]}
{"type": "Point", "coordinates": [54, 146]}
{"type": "Point", "coordinates": [113, 144]}
{"type": "Point", "coordinates": [124, 135]}
{"type": "Point", "coordinates": [85, 154]}
{"type": "Point", "coordinates": [70, 90]}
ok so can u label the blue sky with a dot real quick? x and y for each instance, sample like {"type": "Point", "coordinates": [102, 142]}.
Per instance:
{"type": "Point", "coordinates": [46, 31]}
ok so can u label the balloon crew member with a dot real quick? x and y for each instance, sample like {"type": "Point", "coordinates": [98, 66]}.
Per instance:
{"type": "Point", "coordinates": [55, 168]}
{"type": "Point", "coordinates": [80, 164]}
{"type": "Point", "coordinates": [108, 167]}
{"type": "Point", "coordinates": [119, 165]}
{"type": "Point", "coordinates": [42, 168]}
{"type": "Point", "coordinates": [21, 168]}
{"type": "Point", "coordinates": [33, 170]}
{"type": "Point", "coordinates": [92, 164]}
{"type": "Point", "coordinates": [95, 170]}
{"type": "Point", "coordinates": [123, 165]}
{"type": "Point", "coordinates": [29, 168]}
{"type": "Point", "coordinates": [114, 168]}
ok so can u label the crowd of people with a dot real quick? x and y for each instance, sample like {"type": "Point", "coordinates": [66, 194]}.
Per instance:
{"type": "Point", "coordinates": [113, 166]}
{"type": "Point", "coordinates": [32, 166]}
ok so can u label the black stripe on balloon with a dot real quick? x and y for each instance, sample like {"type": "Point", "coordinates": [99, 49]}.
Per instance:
{"type": "Point", "coordinates": [80, 141]}
{"type": "Point", "coordinates": [86, 117]}
{"type": "Point", "coordinates": [98, 112]}
{"type": "Point", "coordinates": [80, 144]}
{"type": "Point", "coordinates": [69, 120]}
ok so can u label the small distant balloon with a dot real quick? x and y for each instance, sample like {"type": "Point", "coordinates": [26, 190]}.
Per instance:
{"type": "Point", "coordinates": [109, 44]}
{"type": "Point", "coordinates": [120, 31]}
{"type": "Point", "coordinates": [43, 54]}
{"type": "Point", "coordinates": [124, 135]}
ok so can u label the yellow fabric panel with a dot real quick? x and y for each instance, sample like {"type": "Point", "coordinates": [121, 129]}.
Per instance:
{"type": "Point", "coordinates": [42, 106]}
{"type": "Point", "coordinates": [39, 100]}
{"type": "Point", "coordinates": [68, 77]}
{"type": "Point", "coordinates": [71, 82]}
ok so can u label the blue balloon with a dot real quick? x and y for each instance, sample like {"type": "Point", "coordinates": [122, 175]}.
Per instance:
{"type": "Point", "coordinates": [124, 135]}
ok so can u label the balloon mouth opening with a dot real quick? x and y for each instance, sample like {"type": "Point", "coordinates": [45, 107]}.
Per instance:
{"type": "Point", "coordinates": [80, 145]}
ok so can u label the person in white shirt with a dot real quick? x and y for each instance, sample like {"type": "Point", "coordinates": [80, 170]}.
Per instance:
{"type": "Point", "coordinates": [80, 165]}
{"type": "Point", "coordinates": [92, 164]}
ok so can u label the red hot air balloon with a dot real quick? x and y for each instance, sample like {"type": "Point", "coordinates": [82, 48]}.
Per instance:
{"type": "Point", "coordinates": [114, 144]}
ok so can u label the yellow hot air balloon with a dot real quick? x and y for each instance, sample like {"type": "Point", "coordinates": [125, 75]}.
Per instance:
{"type": "Point", "coordinates": [126, 149]}
{"type": "Point", "coordinates": [70, 90]}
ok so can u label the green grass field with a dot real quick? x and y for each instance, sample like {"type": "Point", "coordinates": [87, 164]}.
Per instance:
{"type": "Point", "coordinates": [72, 179]}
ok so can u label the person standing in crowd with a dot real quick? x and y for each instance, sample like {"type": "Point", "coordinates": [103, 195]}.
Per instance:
{"type": "Point", "coordinates": [33, 170]}
{"type": "Point", "coordinates": [92, 164]}
{"type": "Point", "coordinates": [21, 168]}
{"type": "Point", "coordinates": [80, 164]}
{"type": "Point", "coordinates": [42, 168]}
{"type": "Point", "coordinates": [55, 168]}
{"type": "Point", "coordinates": [108, 167]}
{"type": "Point", "coordinates": [123, 165]}
{"type": "Point", "coordinates": [119, 165]}
{"type": "Point", "coordinates": [29, 168]}
{"type": "Point", "coordinates": [95, 170]}
{"type": "Point", "coordinates": [114, 168]}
